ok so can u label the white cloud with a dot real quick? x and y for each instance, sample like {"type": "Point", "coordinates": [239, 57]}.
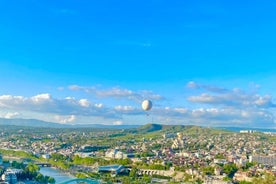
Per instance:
{"type": "Point", "coordinates": [117, 122]}
{"type": "Point", "coordinates": [251, 117]}
{"type": "Point", "coordinates": [10, 115]}
{"type": "Point", "coordinates": [65, 119]}
{"type": "Point", "coordinates": [210, 88]}
{"type": "Point", "coordinates": [100, 105]}
{"type": "Point", "coordinates": [44, 103]}
{"type": "Point", "coordinates": [84, 102]}
{"type": "Point", "coordinates": [82, 88]}
{"type": "Point", "coordinates": [128, 110]}
{"type": "Point", "coordinates": [235, 98]}
{"type": "Point", "coordinates": [263, 100]}
{"type": "Point", "coordinates": [41, 98]}
{"type": "Point", "coordinates": [214, 106]}
{"type": "Point", "coordinates": [124, 108]}
{"type": "Point", "coordinates": [117, 93]}
{"type": "Point", "coordinates": [231, 106]}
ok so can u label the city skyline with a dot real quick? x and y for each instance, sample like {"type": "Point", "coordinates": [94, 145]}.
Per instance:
{"type": "Point", "coordinates": [204, 63]}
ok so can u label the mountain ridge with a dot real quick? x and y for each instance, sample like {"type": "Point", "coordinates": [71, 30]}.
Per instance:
{"type": "Point", "coordinates": [40, 123]}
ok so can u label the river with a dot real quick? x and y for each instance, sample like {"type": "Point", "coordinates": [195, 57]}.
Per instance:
{"type": "Point", "coordinates": [55, 173]}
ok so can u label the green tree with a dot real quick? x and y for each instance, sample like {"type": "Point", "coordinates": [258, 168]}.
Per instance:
{"type": "Point", "coordinates": [133, 172]}
{"type": "Point", "coordinates": [81, 175]}
{"type": "Point", "coordinates": [220, 156]}
{"type": "Point", "coordinates": [51, 180]}
{"type": "Point", "coordinates": [39, 178]}
{"type": "Point", "coordinates": [227, 178]}
{"type": "Point", "coordinates": [187, 177]}
{"type": "Point", "coordinates": [146, 179]}
{"type": "Point", "coordinates": [247, 166]}
{"type": "Point", "coordinates": [209, 170]}
{"type": "Point", "coordinates": [245, 182]}
{"type": "Point", "coordinates": [230, 169]}
{"type": "Point", "coordinates": [32, 169]}
{"type": "Point", "coordinates": [58, 156]}
{"type": "Point", "coordinates": [265, 179]}
{"type": "Point", "coordinates": [17, 165]}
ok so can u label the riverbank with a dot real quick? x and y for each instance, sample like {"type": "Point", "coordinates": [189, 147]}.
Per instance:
{"type": "Point", "coordinates": [57, 174]}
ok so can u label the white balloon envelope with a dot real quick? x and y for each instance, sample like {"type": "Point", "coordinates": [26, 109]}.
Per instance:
{"type": "Point", "coordinates": [146, 105]}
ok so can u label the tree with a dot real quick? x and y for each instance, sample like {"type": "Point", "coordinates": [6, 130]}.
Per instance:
{"type": "Point", "coordinates": [209, 170]}
{"type": "Point", "coordinates": [51, 180]}
{"type": "Point", "coordinates": [146, 179]}
{"type": "Point", "coordinates": [230, 169]}
{"type": "Point", "coordinates": [247, 166]}
{"type": "Point", "coordinates": [133, 172]}
{"type": "Point", "coordinates": [245, 182]}
{"type": "Point", "coordinates": [17, 165]}
{"type": "Point", "coordinates": [265, 179]}
{"type": "Point", "coordinates": [220, 156]}
{"type": "Point", "coordinates": [39, 178]}
{"type": "Point", "coordinates": [31, 170]}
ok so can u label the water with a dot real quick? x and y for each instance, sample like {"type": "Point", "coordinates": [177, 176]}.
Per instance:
{"type": "Point", "coordinates": [55, 173]}
{"type": "Point", "coordinates": [60, 176]}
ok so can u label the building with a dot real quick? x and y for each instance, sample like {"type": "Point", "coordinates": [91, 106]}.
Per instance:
{"type": "Point", "coordinates": [112, 169]}
{"type": "Point", "coordinates": [46, 156]}
{"type": "Point", "coordinates": [115, 153]}
{"type": "Point", "coordinates": [9, 177]}
{"type": "Point", "coordinates": [178, 142]}
{"type": "Point", "coordinates": [267, 160]}
{"type": "Point", "coordinates": [247, 131]}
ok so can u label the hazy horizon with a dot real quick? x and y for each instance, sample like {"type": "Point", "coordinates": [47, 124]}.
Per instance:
{"type": "Point", "coordinates": [203, 63]}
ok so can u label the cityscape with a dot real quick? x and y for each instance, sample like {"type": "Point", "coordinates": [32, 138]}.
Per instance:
{"type": "Point", "coordinates": [152, 153]}
{"type": "Point", "coordinates": [137, 92]}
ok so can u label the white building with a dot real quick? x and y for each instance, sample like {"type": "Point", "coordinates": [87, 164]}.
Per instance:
{"type": "Point", "coordinates": [115, 153]}
{"type": "Point", "coordinates": [46, 156]}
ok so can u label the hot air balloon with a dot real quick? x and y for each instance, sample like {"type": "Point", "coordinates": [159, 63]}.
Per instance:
{"type": "Point", "coordinates": [146, 105]}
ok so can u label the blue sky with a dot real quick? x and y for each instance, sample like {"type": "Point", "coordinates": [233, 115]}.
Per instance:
{"type": "Point", "coordinates": [200, 62]}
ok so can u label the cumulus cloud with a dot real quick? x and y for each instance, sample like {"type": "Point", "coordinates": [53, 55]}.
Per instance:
{"type": "Point", "coordinates": [117, 93]}
{"type": "Point", "coordinates": [80, 88]}
{"type": "Point", "coordinates": [230, 106]}
{"type": "Point", "coordinates": [124, 108]}
{"type": "Point", "coordinates": [234, 98]}
{"type": "Point", "coordinates": [225, 97]}
{"type": "Point", "coordinates": [127, 110]}
{"type": "Point", "coordinates": [84, 103]}
{"type": "Point", "coordinates": [65, 119]}
{"type": "Point", "coordinates": [45, 103]}
{"type": "Point", "coordinates": [10, 115]}
{"type": "Point", "coordinates": [214, 106]}
{"type": "Point", "coordinates": [41, 98]}
{"type": "Point", "coordinates": [210, 88]}
{"type": "Point", "coordinates": [100, 105]}
{"type": "Point", "coordinates": [247, 117]}
{"type": "Point", "coordinates": [117, 122]}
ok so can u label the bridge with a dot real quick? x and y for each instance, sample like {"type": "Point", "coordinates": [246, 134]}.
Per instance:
{"type": "Point", "coordinates": [79, 180]}
{"type": "Point", "coordinates": [155, 172]}
{"type": "Point", "coordinates": [43, 164]}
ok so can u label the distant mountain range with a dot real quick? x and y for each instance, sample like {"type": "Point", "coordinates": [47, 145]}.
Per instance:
{"type": "Point", "coordinates": [131, 128]}
{"type": "Point", "coordinates": [40, 123]}
{"type": "Point", "coordinates": [237, 129]}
